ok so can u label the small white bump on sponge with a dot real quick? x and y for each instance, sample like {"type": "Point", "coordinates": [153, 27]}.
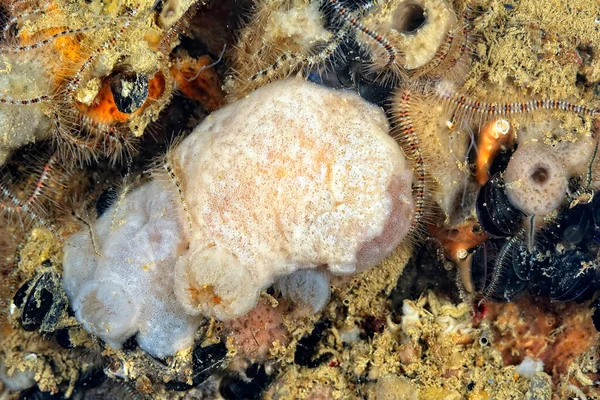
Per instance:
{"type": "Point", "coordinates": [307, 287]}
{"type": "Point", "coordinates": [211, 280]}
{"type": "Point", "coordinates": [300, 25]}
{"type": "Point", "coordinates": [536, 180]}
{"type": "Point", "coordinates": [106, 307]}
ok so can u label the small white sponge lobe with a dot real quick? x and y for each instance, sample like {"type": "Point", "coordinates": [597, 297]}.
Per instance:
{"type": "Point", "coordinates": [292, 177]}
{"type": "Point", "coordinates": [106, 307]}
{"type": "Point", "coordinates": [308, 287]}
{"type": "Point", "coordinates": [536, 180]}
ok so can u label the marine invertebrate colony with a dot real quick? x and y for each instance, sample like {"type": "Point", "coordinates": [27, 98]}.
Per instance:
{"type": "Point", "coordinates": [295, 182]}
{"type": "Point", "coordinates": [89, 76]}
{"type": "Point", "coordinates": [293, 177]}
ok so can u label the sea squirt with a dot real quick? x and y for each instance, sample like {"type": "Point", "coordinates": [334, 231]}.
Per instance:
{"type": "Point", "coordinates": [293, 177]}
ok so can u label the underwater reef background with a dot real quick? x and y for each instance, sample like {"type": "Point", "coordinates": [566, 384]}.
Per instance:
{"type": "Point", "coordinates": [491, 293]}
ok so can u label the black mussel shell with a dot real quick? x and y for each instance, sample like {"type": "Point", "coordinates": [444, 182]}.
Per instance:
{"type": "Point", "coordinates": [349, 71]}
{"type": "Point", "coordinates": [206, 360]}
{"type": "Point", "coordinates": [308, 347]}
{"type": "Point", "coordinates": [508, 287]}
{"type": "Point", "coordinates": [131, 344]}
{"type": "Point", "coordinates": [541, 273]}
{"type": "Point", "coordinates": [596, 209]}
{"type": "Point", "coordinates": [596, 314]}
{"type": "Point", "coordinates": [130, 91]}
{"type": "Point", "coordinates": [563, 276]}
{"type": "Point", "coordinates": [578, 224]}
{"type": "Point", "coordinates": [495, 213]}
{"type": "Point", "coordinates": [324, 77]}
{"type": "Point", "coordinates": [237, 388]}
{"type": "Point", "coordinates": [521, 262]}
{"type": "Point", "coordinates": [63, 338]}
{"type": "Point", "coordinates": [106, 199]}
{"type": "Point", "coordinates": [345, 78]}
{"type": "Point", "coordinates": [36, 394]}
{"type": "Point", "coordinates": [493, 271]}
{"type": "Point", "coordinates": [344, 72]}
{"type": "Point", "coordinates": [425, 270]}
{"type": "Point", "coordinates": [19, 297]}
{"type": "Point", "coordinates": [574, 274]}
{"type": "Point", "coordinates": [500, 161]}
{"type": "Point", "coordinates": [561, 266]}
{"type": "Point", "coordinates": [37, 305]}
{"type": "Point", "coordinates": [376, 93]}
{"type": "Point", "coordinates": [482, 263]}
{"type": "Point", "coordinates": [43, 304]}
{"type": "Point", "coordinates": [91, 378]}
{"type": "Point", "coordinates": [540, 285]}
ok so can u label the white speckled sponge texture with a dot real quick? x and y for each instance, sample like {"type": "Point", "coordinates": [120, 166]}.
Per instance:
{"type": "Point", "coordinates": [291, 177]}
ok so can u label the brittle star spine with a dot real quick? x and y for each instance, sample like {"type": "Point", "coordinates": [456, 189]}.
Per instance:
{"type": "Point", "coordinates": [37, 45]}
{"type": "Point", "coordinates": [409, 136]}
{"type": "Point", "coordinates": [18, 207]}
{"type": "Point", "coordinates": [465, 103]}
{"type": "Point", "coordinates": [353, 20]}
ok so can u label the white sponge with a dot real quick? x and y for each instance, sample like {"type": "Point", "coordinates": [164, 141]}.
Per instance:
{"type": "Point", "coordinates": [123, 285]}
{"type": "Point", "coordinates": [536, 180]}
{"type": "Point", "coordinates": [293, 177]}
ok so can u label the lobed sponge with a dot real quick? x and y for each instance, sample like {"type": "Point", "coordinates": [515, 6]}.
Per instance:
{"type": "Point", "coordinates": [307, 287]}
{"type": "Point", "coordinates": [293, 177]}
{"type": "Point", "coordinates": [121, 283]}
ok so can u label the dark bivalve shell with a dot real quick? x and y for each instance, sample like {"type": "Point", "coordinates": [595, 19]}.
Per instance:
{"type": "Point", "coordinates": [482, 264]}
{"type": "Point", "coordinates": [501, 269]}
{"type": "Point", "coordinates": [206, 361]}
{"type": "Point", "coordinates": [130, 91]}
{"type": "Point", "coordinates": [578, 226]}
{"type": "Point", "coordinates": [106, 200]}
{"type": "Point", "coordinates": [596, 209]}
{"type": "Point", "coordinates": [495, 213]}
{"type": "Point", "coordinates": [349, 72]}
{"type": "Point", "coordinates": [249, 387]}
{"type": "Point", "coordinates": [307, 353]}
{"type": "Point", "coordinates": [42, 302]}
{"type": "Point", "coordinates": [564, 276]}
{"type": "Point", "coordinates": [493, 271]}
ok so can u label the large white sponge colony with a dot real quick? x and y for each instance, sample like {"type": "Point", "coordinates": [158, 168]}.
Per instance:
{"type": "Point", "coordinates": [291, 178]}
